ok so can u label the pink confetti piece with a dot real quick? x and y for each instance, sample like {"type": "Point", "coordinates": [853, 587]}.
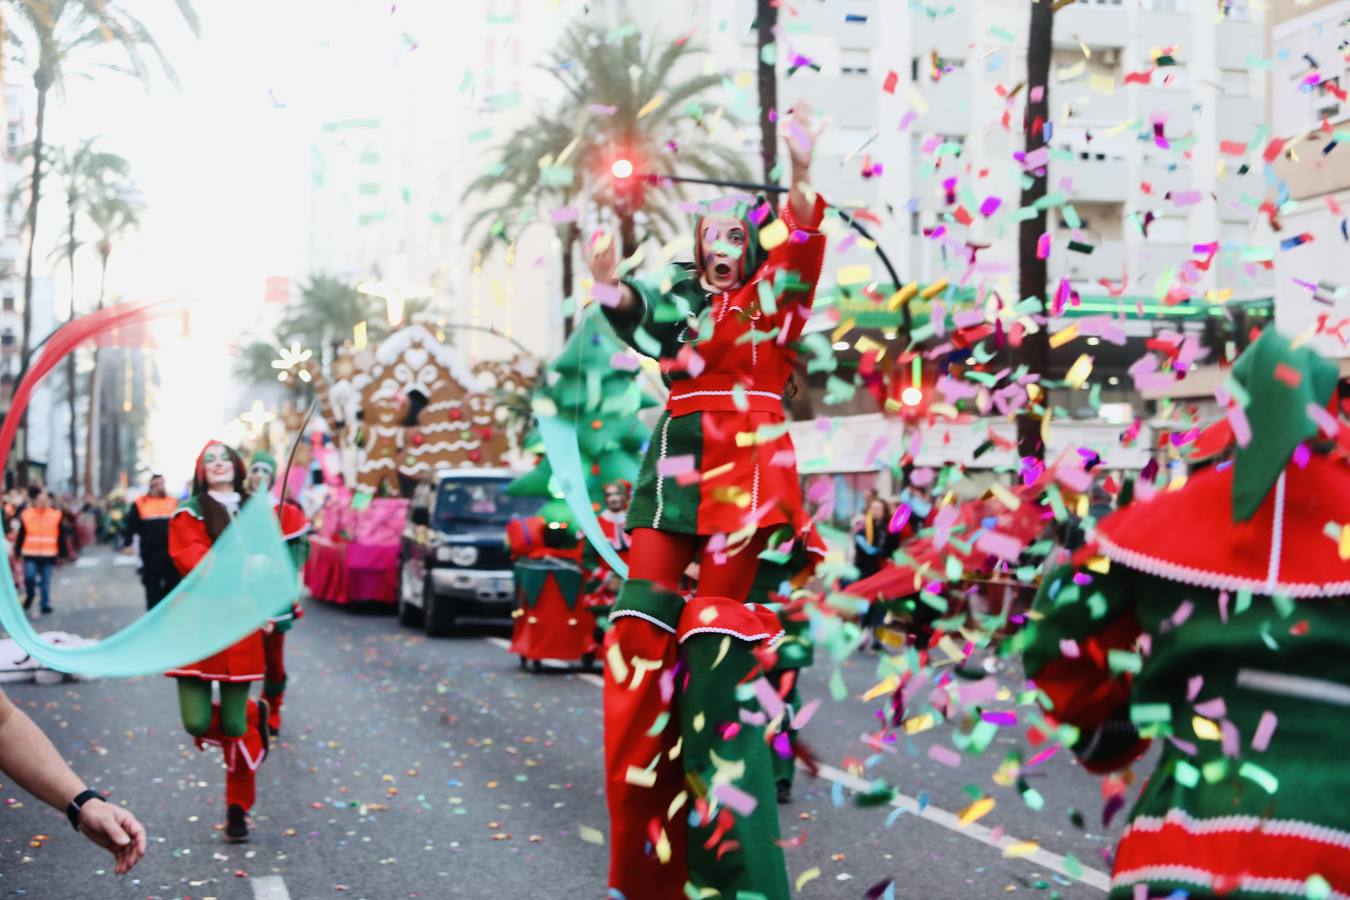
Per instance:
{"type": "Point", "coordinates": [1229, 738]}
{"type": "Point", "coordinates": [975, 692]}
{"type": "Point", "coordinates": [624, 362]}
{"type": "Point", "coordinates": [1043, 246]}
{"type": "Point", "coordinates": [1042, 756]}
{"type": "Point", "coordinates": [1001, 718]}
{"type": "Point", "coordinates": [1212, 709]}
{"type": "Point", "coordinates": [1302, 453]}
{"type": "Point", "coordinates": [1186, 198]}
{"type": "Point", "coordinates": [769, 701]}
{"type": "Point", "coordinates": [1325, 420]}
{"type": "Point", "coordinates": [675, 465]}
{"type": "Point", "coordinates": [944, 756]}
{"type": "Point", "coordinates": [804, 714]}
{"type": "Point", "coordinates": [1242, 429]}
{"type": "Point", "coordinates": [1068, 648]}
{"type": "Point", "coordinates": [1265, 729]}
{"type": "Point", "coordinates": [606, 294]}
{"type": "Point", "coordinates": [990, 205]}
{"type": "Point", "coordinates": [601, 110]}
{"type": "Point", "coordinates": [1036, 158]}
{"type": "Point", "coordinates": [1004, 546]}
{"type": "Point", "coordinates": [566, 214]}
{"type": "Point", "coordinates": [734, 798]}
{"type": "Point", "coordinates": [1193, 686]}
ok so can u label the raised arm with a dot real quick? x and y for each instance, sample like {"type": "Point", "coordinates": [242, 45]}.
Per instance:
{"type": "Point", "coordinates": [602, 255]}
{"type": "Point", "coordinates": [800, 136]}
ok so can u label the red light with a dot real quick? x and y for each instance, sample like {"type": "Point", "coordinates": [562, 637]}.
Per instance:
{"type": "Point", "coordinates": [622, 168]}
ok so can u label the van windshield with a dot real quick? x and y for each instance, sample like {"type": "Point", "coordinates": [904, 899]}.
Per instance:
{"type": "Point", "coordinates": [480, 500]}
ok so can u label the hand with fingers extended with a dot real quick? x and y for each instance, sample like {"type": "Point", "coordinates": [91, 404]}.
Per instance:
{"type": "Point", "coordinates": [602, 256]}
{"type": "Point", "coordinates": [116, 830]}
{"type": "Point", "coordinates": [801, 133]}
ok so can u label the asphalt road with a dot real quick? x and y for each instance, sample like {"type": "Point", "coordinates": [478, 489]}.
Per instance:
{"type": "Point", "coordinates": [411, 768]}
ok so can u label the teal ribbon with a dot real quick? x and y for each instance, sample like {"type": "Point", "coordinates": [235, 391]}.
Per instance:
{"type": "Point", "coordinates": [247, 578]}
{"type": "Point", "coordinates": [560, 445]}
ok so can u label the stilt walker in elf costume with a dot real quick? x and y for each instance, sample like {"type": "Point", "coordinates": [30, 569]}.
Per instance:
{"type": "Point", "coordinates": [1232, 644]}
{"type": "Point", "coordinates": [237, 724]}
{"type": "Point", "coordinates": [262, 473]}
{"type": "Point", "coordinates": [689, 783]}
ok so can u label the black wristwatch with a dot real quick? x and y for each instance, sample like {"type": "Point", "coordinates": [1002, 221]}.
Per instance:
{"type": "Point", "coordinates": [73, 810]}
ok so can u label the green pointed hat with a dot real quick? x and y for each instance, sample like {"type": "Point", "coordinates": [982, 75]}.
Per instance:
{"type": "Point", "coordinates": [1281, 382]}
{"type": "Point", "coordinates": [265, 458]}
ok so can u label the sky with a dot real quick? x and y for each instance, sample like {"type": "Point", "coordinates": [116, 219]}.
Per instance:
{"type": "Point", "coordinates": [222, 159]}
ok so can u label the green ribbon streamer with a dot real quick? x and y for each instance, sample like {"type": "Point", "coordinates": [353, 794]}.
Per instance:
{"type": "Point", "coordinates": [245, 579]}
{"type": "Point", "coordinates": [560, 446]}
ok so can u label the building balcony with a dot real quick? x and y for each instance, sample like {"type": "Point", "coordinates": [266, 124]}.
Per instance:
{"type": "Point", "coordinates": [1096, 25]}
{"type": "Point", "coordinates": [1107, 260]}
{"type": "Point", "coordinates": [1093, 180]}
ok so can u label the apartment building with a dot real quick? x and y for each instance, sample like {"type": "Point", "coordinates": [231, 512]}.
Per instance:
{"type": "Point", "coordinates": [1307, 109]}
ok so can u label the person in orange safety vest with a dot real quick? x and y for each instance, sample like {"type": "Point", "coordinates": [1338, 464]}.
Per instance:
{"type": "Point", "coordinates": [39, 543]}
{"type": "Point", "coordinates": [148, 524]}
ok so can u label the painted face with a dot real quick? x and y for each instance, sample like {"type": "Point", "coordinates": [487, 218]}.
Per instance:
{"type": "Point", "coordinates": [722, 245]}
{"type": "Point", "coordinates": [614, 499]}
{"type": "Point", "coordinates": [218, 466]}
{"type": "Point", "coordinates": [259, 477]}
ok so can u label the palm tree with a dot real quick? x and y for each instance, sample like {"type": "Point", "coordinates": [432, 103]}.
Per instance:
{"type": "Point", "coordinates": [1031, 272]}
{"type": "Point", "coordinates": [52, 36]}
{"type": "Point", "coordinates": [766, 20]}
{"type": "Point", "coordinates": [328, 311]}
{"type": "Point", "coordinates": [112, 215]}
{"type": "Point", "coordinates": [84, 173]}
{"type": "Point", "coordinates": [655, 125]}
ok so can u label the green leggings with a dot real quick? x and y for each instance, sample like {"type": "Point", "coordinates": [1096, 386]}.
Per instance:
{"type": "Point", "coordinates": [194, 704]}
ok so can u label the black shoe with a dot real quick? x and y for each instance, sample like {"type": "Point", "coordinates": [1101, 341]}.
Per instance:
{"type": "Point", "coordinates": [47, 610]}
{"type": "Point", "coordinates": [784, 791]}
{"type": "Point", "coordinates": [28, 604]}
{"type": "Point", "coordinates": [264, 729]}
{"type": "Point", "coordinates": [236, 825]}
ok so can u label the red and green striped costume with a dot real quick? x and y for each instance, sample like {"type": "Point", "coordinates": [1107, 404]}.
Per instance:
{"type": "Point", "coordinates": [1221, 627]}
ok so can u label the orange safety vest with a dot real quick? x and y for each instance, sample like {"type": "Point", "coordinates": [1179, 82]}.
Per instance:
{"type": "Point", "coordinates": [155, 507]}
{"type": "Point", "coordinates": [41, 531]}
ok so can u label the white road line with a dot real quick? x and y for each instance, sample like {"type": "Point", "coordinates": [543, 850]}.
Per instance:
{"type": "Point", "coordinates": [1053, 861]}
{"type": "Point", "coordinates": [270, 887]}
{"type": "Point", "coordinates": [588, 677]}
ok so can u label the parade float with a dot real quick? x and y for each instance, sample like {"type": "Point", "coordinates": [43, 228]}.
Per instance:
{"type": "Point", "coordinates": [396, 414]}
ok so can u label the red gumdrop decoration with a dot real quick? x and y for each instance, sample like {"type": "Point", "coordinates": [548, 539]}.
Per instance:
{"type": "Point", "coordinates": [456, 415]}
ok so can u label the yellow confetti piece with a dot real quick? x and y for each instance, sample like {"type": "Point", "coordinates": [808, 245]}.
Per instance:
{"type": "Point", "coordinates": [663, 848]}
{"type": "Point", "coordinates": [615, 665]}
{"type": "Point", "coordinates": [916, 101]}
{"type": "Point", "coordinates": [359, 336]}
{"type": "Point", "coordinates": [1069, 73]}
{"type": "Point", "coordinates": [919, 724]}
{"type": "Point", "coordinates": [1005, 496]}
{"type": "Point", "coordinates": [773, 234]}
{"type": "Point", "coordinates": [860, 274]}
{"type": "Point", "coordinates": [1019, 849]}
{"type": "Point", "coordinates": [881, 688]}
{"type": "Point", "coordinates": [933, 289]}
{"type": "Point", "coordinates": [722, 651]}
{"type": "Point", "coordinates": [713, 474]}
{"type": "Point", "coordinates": [976, 811]}
{"type": "Point", "coordinates": [640, 777]}
{"type": "Point", "coordinates": [1099, 564]}
{"type": "Point", "coordinates": [802, 879]}
{"type": "Point", "coordinates": [844, 328]}
{"type": "Point", "coordinates": [1079, 371]}
{"type": "Point", "coordinates": [1204, 729]}
{"type": "Point", "coordinates": [865, 343]}
{"type": "Point", "coordinates": [1063, 336]}
{"type": "Point", "coordinates": [568, 151]}
{"type": "Point", "coordinates": [591, 835]}
{"type": "Point", "coordinates": [1344, 544]}
{"type": "Point", "coordinates": [1102, 84]}
{"type": "Point", "coordinates": [651, 106]}
{"type": "Point", "coordinates": [902, 296]}
{"type": "Point", "coordinates": [676, 805]}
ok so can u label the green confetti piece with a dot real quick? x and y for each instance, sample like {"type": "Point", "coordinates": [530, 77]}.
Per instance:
{"type": "Point", "coordinates": [1317, 888]}
{"type": "Point", "coordinates": [480, 135]}
{"type": "Point", "coordinates": [1254, 773]}
{"type": "Point", "coordinates": [1215, 770]}
{"type": "Point", "coordinates": [1033, 799]}
{"type": "Point", "coordinates": [838, 690]}
{"type": "Point", "coordinates": [1124, 661]}
{"type": "Point", "coordinates": [1057, 503]}
{"type": "Point", "coordinates": [1186, 774]}
{"type": "Point", "coordinates": [768, 54]}
{"type": "Point", "coordinates": [1002, 34]}
{"type": "Point", "coordinates": [1284, 605]}
{"type": "Point", "coordinates": [1244, 602]}
{"type": "Point", "coordinates": [1071, 216]}
{"type": "Point", "coordinates": [1150, 713]}
{"type": "Point", "coordinates": [1073, 866]}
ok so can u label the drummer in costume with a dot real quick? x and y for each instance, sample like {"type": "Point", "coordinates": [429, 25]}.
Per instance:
{"type": "Point", "coordinates": [237, 724]}
{"type": "Point", "coordinates": [262, 473]}
{"type": "Point", "coordinates": [1232, 646]}
{"type": "Point", "coordinates": [723, 329]}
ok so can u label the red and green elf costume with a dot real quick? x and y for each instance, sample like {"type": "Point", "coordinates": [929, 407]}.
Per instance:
{"type": "Point", "coordinates": [689, 771]}
{"type": "Point", "coordinates": [295, 530]}
{"type": "Point", "coordinates": [237, 723]}
{"type": "Point", "coordinates": [1217, 620]}
{"type": "Point", "coordinates": [551, 622]}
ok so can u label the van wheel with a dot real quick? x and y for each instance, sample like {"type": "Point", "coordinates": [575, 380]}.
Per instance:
{"type": "Point", "coordinates": [440, 614]}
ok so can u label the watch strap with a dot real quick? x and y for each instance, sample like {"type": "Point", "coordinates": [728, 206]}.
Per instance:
{"type": "Point", "coordinates": [73, 810]}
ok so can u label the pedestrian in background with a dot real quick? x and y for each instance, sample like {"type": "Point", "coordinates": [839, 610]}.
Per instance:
{"type": "Point", "coordinates": [39, 541]}
{"type": "Point", "coordinates": [147, 528]}
{"type": "Point", "coordinates": [873, 546]}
